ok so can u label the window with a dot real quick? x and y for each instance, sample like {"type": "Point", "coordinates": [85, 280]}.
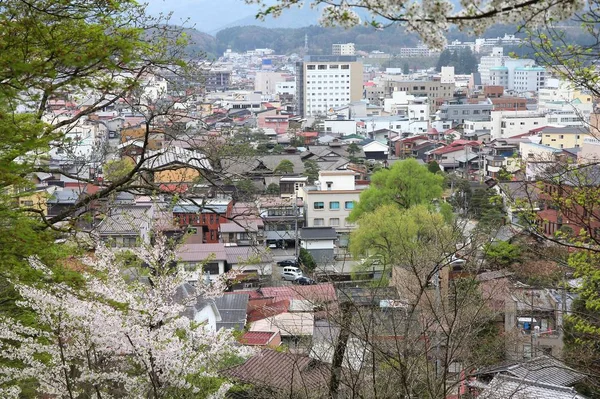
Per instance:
{"type": "Point", "coordinates": [333, 66]}
{"type": "Point", "coordinates": [311, 67]}
{"type": "Point", "coordinates": [334, 205]}
{"type": "Point", "coordinates": [319, 221]}
{"type": "Point", "coordinates": [349, 205]}
{"type": "Point", "coordinates": [26, 203]}
{"type": "Point", "coordinates": [129, 241]}
{"type": "Point", "coordinates": [211, 268]}
{"type": "Point", "coordinates": [562, 136]}
{"type": "Point", "coordinates": [345, 66]}
{"type": "Point", "coordinates": [319, 205]}
{"type": "Point", "coordinates": [334, 221]}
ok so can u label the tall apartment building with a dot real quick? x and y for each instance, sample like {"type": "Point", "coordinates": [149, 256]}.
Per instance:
{"type": "Point", "coordinates": [343, 49]}
{"type": "Point", "coordinates": [324, 82]}
{"type": "Point", "coordinates": [528, 78]}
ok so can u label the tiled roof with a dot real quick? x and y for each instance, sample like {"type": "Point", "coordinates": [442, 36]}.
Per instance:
{"type": "Point", "coordinates": [233, 308]}
{"type": "Point", "coordinates": [318, 293]}
{"type": "Point", "coordinates": [125, 220]}
{"type": "Point", "coordinates": [541, 369]}
{"type": "Point", "coordinates": [257, 337]}
{"type": "Point", "coordinates": [505, 387]}
{"type": "Point", "coordinates": [287, 373]}
{"type": "Point", "coordinates": [200, 252]}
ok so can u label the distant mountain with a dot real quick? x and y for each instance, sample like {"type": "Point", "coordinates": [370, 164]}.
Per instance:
{"type": "Point", "coordinates": [292, 18]}
{"type": "Point", "coordinates": [203, 15]}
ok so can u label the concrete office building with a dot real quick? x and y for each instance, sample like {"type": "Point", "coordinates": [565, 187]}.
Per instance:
{"type": "Point", "coordinates": [343, 49]}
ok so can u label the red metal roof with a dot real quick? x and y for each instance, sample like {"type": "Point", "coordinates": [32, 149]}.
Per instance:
{"type": "Point", "coordinates": [257, 337]}
{"type": "Point", "coordinates": [268, 310]}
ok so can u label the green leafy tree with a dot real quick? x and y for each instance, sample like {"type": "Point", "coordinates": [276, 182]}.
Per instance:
{"type": "Point", "coordinates": [390, 233]}
{"type": "Point", "coordinates": [502, 253]}
{"type": "Point", "coordinates": [80, 49]}
{"type": "Point", "coordinates": [311, 170]}
{"type": "Point", "coordinates": [306, 260]}
{"type": "Point", "coordinates": [285, 167]}
{"type": "Point", "coordinates": [433, 167]}
{"type": "Point", "coordinates": [353, 149]}
{"type": "Point", "coordinates": [273, 189]}
{"type": "Point", "coordinates": [405, 68]}
{"type": "Point", "coordinates": [582, 325]}
{"type": "Point", "coordinates": [405, 184]}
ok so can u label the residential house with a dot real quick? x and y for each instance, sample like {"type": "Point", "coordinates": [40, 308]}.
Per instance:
{"type": "Point", "coordinates": [331, 200]}
{"type": "Point", "coordinates": [176, 165]}
{"type": "Point", "coordinates": [573, 216]}
{"type": "Point", "coordinates": [61, 201]}
{"type": "Point", "coordinates": [233, 310]}
{"type": "Point", "coordinates": [283, 218]}
{"type": "Point", "coordinates": [319, 242]}
{"type": "Point", "coordinates": [533, 322]}
{"type": "Point", "coordinates": [203, 217]}
{"type": "Point", "coordinates": [273, 119]}
{"type": "Point", "coordinates": [412, 147]}
{"type": "Point", "coordinates": [375, 150]}
{"type": "Point", "coordinates": [537, 158]}
{"type": "Point", "coordinates": [292, 186]}
{"type": "Point", "coordinates": [333, 156]}
{"type": "Point", "coordinates": [199, 309]}
{"type": "Point", "coordinates": [126, 226]}
{"type": "Point", "coordinates": [203, 260]}
{"type": "Point", "coordinates": [540, 377]}
{"type": "Point", "coordinates": [459, 153]}
{"type": "Point", "coordinates": [564, 137]}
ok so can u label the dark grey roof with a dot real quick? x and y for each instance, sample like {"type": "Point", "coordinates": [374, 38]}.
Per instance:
{"type": "Point", "coordinates": [65, 196]}
{"type": "Point", "coordinates": [125, 220]}
{"type": "Point", "coordinates": [318, 233]}
{"type": "Point", "coordinates": [505, 387]}
{"type": "Point", "coordinates": [579, 176]}
{"type": "Point", "coordinates": [233, 308]}
{"type": "Point", "coordinates": [541, 369]}
{"type": "Point", "coordinates": [566, 130]}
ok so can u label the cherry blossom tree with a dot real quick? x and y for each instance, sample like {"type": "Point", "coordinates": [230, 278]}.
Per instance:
{"type": "Point", "coordinates": [122, 335]}
{"type": "Point", "coordinates": [430, 18]}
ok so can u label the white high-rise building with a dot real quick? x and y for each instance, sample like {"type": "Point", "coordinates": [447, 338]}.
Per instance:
{"type": "Point", "coordinates": [325, 82]}
{"type": "Point", "coordinates": [496, 59]}
{"type": "Point", "coordinates": [343, 49]}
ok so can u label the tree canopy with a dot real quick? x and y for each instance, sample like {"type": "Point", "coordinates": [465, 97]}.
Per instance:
{"type": "Point", "coordinates": [405, 184]}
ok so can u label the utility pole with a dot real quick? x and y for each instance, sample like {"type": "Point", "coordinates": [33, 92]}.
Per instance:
{"type": "Point", "coordinates": [296, 249]}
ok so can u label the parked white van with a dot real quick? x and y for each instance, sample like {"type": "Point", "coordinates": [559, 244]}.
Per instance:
{"type": "Point", "coordinates": [291, 273]}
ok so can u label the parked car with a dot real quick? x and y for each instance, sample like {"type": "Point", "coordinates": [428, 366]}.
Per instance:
{"type": "Point", "coordinates": [291, 273]}
{"type": "Point", "coordinates": [287, 262]}
{"type": "Point", "coordinates": [304, 281]}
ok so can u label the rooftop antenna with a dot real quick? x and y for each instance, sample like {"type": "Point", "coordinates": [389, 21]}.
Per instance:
{"type": "Point", "coordinates": [306, 43]}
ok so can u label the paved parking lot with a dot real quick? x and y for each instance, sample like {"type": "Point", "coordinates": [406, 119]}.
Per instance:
{"type": "Point", "coordinates": [340, 266]}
